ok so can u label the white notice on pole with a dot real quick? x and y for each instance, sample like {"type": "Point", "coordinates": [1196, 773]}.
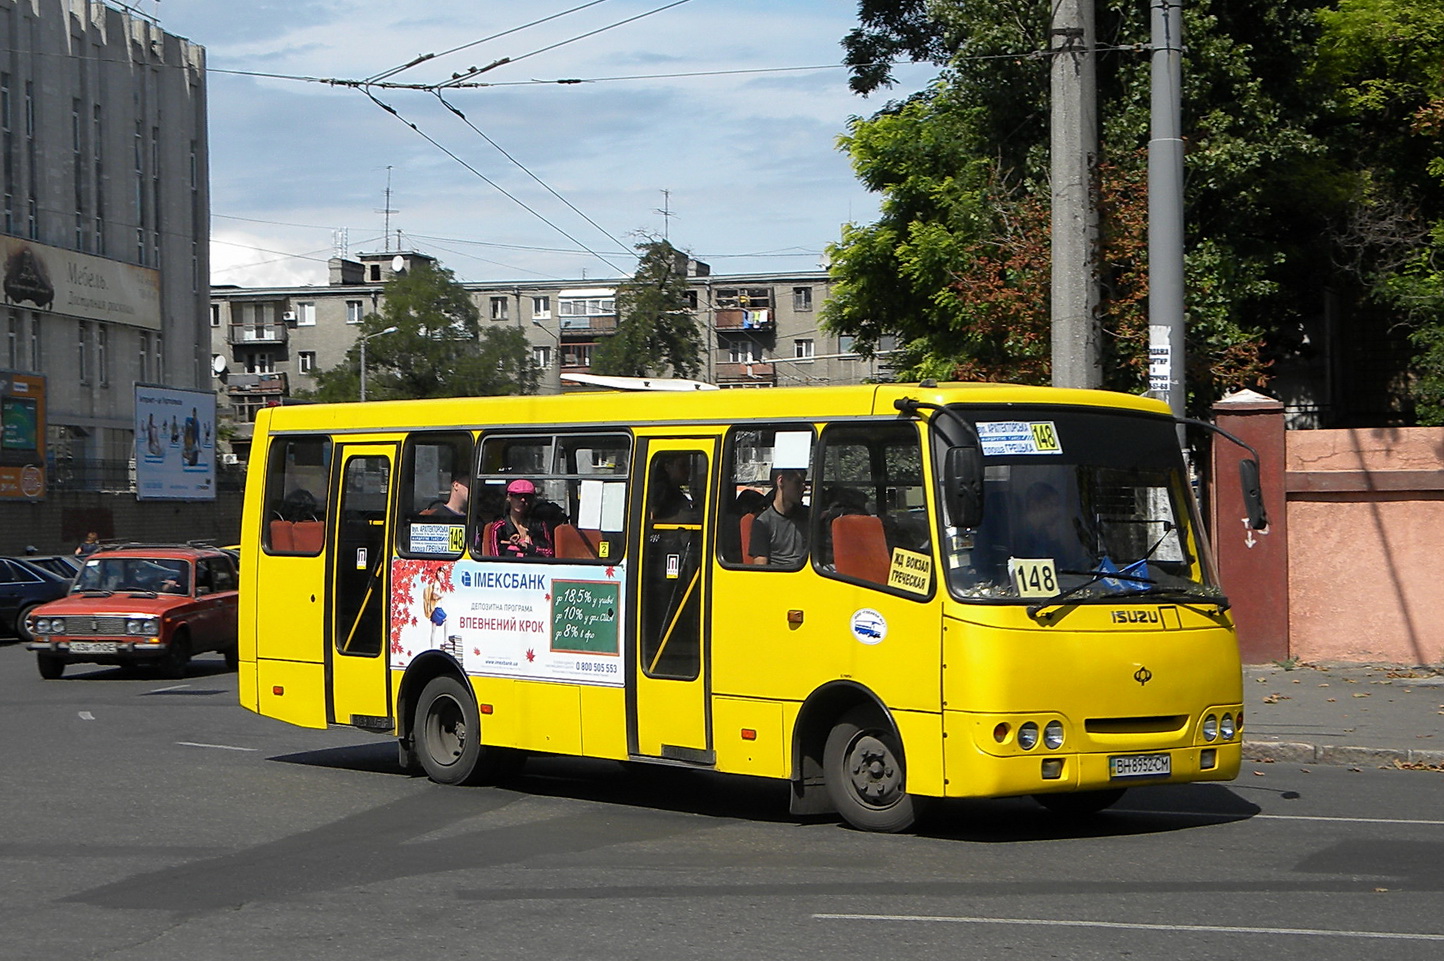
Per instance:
{"type": "Point", "coordinates": [1160, 358]}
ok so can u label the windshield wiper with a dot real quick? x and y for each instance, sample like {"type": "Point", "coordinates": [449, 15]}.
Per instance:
{"type": "Point", "coordinates": [1182, 593]}
{"type": "Point", "coordinates": [1096, 576]}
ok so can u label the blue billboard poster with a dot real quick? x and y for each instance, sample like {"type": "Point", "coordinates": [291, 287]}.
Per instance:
{"type": "Point", "coordinates": [22, 436]}
{"type": "Point", "coordinates": [175, 451]}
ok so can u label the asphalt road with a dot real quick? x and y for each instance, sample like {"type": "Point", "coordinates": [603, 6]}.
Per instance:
{"type": "Point", "coordinates": [150, 820]}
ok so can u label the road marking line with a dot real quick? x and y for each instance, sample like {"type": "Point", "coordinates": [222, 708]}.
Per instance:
{"type": "Point", "coordinates": [86, 716]}
{"type": "Point", "coordinates": [218, 747]}
{"type": "Point", "coordinates": [1278, 817]}
{"type": "Point", "coordinates": [167, 690]}
{"type": "Point", "coordinates": [1128, 926]}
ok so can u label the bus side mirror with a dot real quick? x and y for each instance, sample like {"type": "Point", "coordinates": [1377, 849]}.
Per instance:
{"type": "Point", "coordinates": [1248, 475]}
{"type": "Point", "coordinates": [963, 486]}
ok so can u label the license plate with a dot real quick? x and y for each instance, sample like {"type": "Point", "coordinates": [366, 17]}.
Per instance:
{"type": "Point", "coordinates": [1140, 765]}
{"type": "Point", "coordinates": [92, 647]}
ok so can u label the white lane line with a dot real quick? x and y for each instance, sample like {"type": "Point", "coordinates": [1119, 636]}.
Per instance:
{"type": "Point", "coordinates": [1279, 817]}
{"type": "Point", "coordinates": [167, 690]}
{"type": "Point", "coordinates": [216, 747]}
{"type": "Point", "coordinates": [86, 716]}
{"type": "Point", "coordinates": [1127, 926]}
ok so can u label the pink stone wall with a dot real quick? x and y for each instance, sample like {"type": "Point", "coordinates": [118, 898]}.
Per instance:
{"type": "Point", "coordinates": [1366, 544]}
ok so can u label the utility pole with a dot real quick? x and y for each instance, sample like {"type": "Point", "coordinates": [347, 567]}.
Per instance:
{"type": "Point", "coordinates": [1077, 354]}
{"type": "Point", "coordinates": [1166, 354]}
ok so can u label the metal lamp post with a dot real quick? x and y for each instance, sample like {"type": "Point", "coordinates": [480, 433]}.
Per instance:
{"type": "Point", "coordinates": [364, 338]}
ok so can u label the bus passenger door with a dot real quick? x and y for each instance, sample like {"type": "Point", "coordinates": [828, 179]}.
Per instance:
{"type": "Point", "coordinates": [670, 669]}
{"type": "Point", "coordinates": [356, 675]}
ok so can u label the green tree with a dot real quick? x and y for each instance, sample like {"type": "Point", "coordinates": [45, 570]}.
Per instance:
{"type": "Point", "coordinates": [438, 348]}
{"type": "Point", "coordinates": [655, 327]}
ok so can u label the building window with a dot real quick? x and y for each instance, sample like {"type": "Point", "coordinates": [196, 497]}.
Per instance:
{"type": "Point", "coordinates": [159, 358]}
{"type": "Point", "coordinates": [306, 314]}
{"type": "Point", "coordinates": [143, 368]}
{"type": "Point", "coordinates": [498, 308]}
{"type": "Point", "coordinates": [82, 356]}
{"type": "Point", "coordinates": [577, 355]}
{"type": "Point", "coordinates": [541, 355]}
{"type": "Point", "coordinates": [12, 341]}
{"type": "Point", "coordinates": [845, 344]}
{"type": "Point", "coordinates": [375, 272]}
{"type": "Point", "coordinates": [215, 315]}
{"type": "Point", "coordinates": [354, 311]}
{"type": "Point", "coordinates": [260, 362]}
{"type": "Point", "coordinates": [541, 307]}
{"type": "Point", "coordinates": [102, 353]}
{"type": "Point", "coordinates": [801, 298]}
{"type": "Point", "coordinates": [691, 300]}
{"type": "Point", "coordinates": [308, 361]}
{"type": "Point", "coordinates": [586, 306]}
{"type": "Point", "coordinates": [745, 352]}
{"type": "Point", "coordinates": [747, 298]}
{"type": "Point", "coordinates": [802, 348]}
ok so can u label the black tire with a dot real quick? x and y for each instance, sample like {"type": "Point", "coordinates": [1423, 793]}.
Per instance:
{"type": "Point", "coordinates": [51, 667]}
{"type": "Point", "coordinates": [1080, 803]}
{"type": "Point", "coordinates": [447, 736]}
{"type": "Point", "coordinates": [865, 774]}
{"type": "Point", "coordinates": [20, 632]}
{"type": "Point", "coordinates": [177, 657]}
{"type": "Point", "coordinates": [232, 656]}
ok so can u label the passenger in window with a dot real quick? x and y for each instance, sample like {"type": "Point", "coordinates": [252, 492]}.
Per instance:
{"type": "Point", "coordinates": [455, 505]}
{"type": "Point", "coordinates": [671, 504]}
{"type": "Point", "coordinates": [1046, 532]}
{"type": "Point", "coordinates": [779, 535]}
{"type": "Point", "coordinates": [519, 533]}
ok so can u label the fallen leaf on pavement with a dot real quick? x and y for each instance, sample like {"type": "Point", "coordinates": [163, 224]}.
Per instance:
{"type": "Point", "coordinates": [1363, 693]}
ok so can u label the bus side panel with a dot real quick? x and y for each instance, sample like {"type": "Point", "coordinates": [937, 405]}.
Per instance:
{"type": "Point", "coordinates": [292, 691]}
{"type": "Point", "coordinates": [604, 722]}
{"type": "Point", "coordinates": [922, 741]}
{"type": "Point", "coordinates": [765, 752]}
{"type": "Point", "coordinates": [549, 717]}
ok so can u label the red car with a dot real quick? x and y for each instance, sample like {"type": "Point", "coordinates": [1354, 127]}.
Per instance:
{"type": "Point", "coordinates": [140, 604]}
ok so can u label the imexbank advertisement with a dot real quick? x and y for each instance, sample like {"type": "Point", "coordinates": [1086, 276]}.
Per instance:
{"type": "Point", "coordinates": [175, 444]}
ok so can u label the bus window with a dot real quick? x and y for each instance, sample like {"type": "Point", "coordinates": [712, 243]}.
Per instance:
{"type": "Point", "coordinates": [671, 639]}
{"type": "Point", "coordinates": [436, 492]}
{"type": "Point", "coordinates": [764, 514]}
{"type": "Point", "coordinates": [578, 501]}
{"type": "Point", "coordinates": [873, 523]}
{"type": "Point", "coordinates": [295, 507]}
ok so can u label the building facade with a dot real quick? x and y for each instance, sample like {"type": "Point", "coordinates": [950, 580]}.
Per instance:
{"type": "Point", "coordinates": [105, 223]}
{"type": "Point", "coordinates": [759, 330]}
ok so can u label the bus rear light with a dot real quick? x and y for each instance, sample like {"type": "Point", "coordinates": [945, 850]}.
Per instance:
{"type": "Point", "coordinates": [1000, 733]}
{"type": "Point", "coordinates": [1052, 768]}
{"type": "Point", "coordinates": [748, 734]}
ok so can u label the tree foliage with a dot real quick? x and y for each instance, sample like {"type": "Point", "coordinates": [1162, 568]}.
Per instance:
{"type": "Point", "coordinates": [1313, 165]}
{"type": "Point", "coordinates": [438, 348]}
{"type": "Point", "coordinates": [655, 329]}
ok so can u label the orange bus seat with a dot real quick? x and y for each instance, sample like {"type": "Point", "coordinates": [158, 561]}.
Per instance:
{"type": "Point", "coordinates": [568, 541]}
{"type": "Point", "coordinates": [744, 529]}
{"type": "Point", "coordinates": [309, 536]}
{"type": "Point", "coordinates": [859, 547]}
{"type": "Point", "coordinates": [283, 536]}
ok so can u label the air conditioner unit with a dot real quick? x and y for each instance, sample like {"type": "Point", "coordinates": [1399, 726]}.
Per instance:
{"type": "Point", "coordinates": [230, 459]}
{"type": "Point", "coordinates": [289, 316]}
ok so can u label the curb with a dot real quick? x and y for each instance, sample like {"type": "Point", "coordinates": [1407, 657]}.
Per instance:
{"type": "Point", "coordinates": [1301, 753]}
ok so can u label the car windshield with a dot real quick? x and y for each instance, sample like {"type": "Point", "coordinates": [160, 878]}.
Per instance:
{"type": "Point", "coordinates": [134, 574]}
{"type": "Point", "coordinates": [1087, 503]}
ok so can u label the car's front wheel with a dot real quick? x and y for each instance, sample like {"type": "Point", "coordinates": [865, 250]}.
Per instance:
{"type": "Point", "coordinates": [51, 666]}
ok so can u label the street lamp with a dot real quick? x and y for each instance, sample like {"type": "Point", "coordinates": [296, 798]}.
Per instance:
{"type": "Point", "coordinates": [364, 338]}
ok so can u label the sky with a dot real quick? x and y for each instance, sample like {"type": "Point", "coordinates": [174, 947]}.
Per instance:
{"type": "Point", "coordinates": [538, 180]}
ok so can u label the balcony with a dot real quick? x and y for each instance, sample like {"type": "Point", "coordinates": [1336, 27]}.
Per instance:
{"type": "Point", "coordinates": [732, 318]}
{"type": "Point", "coordinates": [595, 324]}
{"type": "Point", "coordinates": [754, 374]}
{"type": "Point", "coordinates": [252, 385]}
{"type": "Point", "coordinates": [257, 334]}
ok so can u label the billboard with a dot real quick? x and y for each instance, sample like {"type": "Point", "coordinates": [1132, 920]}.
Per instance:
{"type": "Point", "coordinates": [22, 436]}
{"type": "Point", "coordinates": [175, 444]}
{"type": "Point", "coordinates": [79, 285]}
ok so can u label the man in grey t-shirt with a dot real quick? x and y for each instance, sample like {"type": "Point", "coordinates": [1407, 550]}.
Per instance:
{"type": "Point", "coordinates": [779, 535]}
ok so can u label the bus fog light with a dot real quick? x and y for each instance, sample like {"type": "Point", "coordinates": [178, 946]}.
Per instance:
{"type": "Point", "coordinates": [1210, 728]}
{"type": "Point", "coordinates": [1028, 736]}
{"type": "Point", "coordinates": [1052, 768]}
{"type": "Point", "coordinates": [1053, 735]}
{"type": "Point", "coordinates": [1208, 759]}
{"type": "Point", "coordinates": [1225, 727]}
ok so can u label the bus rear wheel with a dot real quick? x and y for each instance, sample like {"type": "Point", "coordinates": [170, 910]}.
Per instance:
{"type": "Point", "coordinates": [865, 775]}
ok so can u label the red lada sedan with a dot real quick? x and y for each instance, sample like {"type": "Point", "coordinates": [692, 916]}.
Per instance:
{"type": "Point", "coordinates": [140, 604]}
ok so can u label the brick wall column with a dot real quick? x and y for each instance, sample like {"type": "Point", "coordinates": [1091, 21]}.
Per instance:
{"type": "Point", "coordinates": [1254, 565]}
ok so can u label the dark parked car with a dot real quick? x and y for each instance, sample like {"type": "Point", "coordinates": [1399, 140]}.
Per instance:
{"type": "Point", "coordinates": [141, 604]}
{"type": "Point", "coordinates": [66, 565]}
{"type": "Point", "coordinates": [24, 585]}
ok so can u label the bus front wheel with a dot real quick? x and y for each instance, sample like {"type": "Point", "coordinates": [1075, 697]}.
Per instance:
{"type": "Point", "coordinates": [865, 775]}
{"type": "Point", "coordinates": [447, 737]}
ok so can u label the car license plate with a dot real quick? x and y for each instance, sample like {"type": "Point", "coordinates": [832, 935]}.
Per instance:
{"type": "Point", "coordinates": [1139, 765]}
{"type": "Point", "coordinates": [92, 647]}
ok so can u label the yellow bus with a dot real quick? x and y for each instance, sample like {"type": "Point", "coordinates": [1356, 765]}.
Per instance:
{"type": "Point", "coordinates": [880, 594]}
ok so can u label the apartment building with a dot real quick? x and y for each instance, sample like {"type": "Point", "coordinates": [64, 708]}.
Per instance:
{"type": "Point", "coordinates": [759, 330]}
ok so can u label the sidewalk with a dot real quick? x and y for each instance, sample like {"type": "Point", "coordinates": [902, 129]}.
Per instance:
{"type": "Point", "coordinates": [1364, 715]}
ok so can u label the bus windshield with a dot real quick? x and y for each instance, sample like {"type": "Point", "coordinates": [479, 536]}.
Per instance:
{"type": "Point", "coordinates": [1083, 504]}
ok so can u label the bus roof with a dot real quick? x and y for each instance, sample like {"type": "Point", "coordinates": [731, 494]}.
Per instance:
{"type": "Point", "coordinates": [639, 408]}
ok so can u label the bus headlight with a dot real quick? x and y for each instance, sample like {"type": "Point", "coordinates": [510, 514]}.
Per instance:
{"type": "Point", "coordinates": [1028, 736]}
{"type": "Point", "coordinates": [1226, 727]}
{"type": "Point", "coordinates": [1210, 728]}
{"type": "Point", "coordinates": [1053, 735]}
